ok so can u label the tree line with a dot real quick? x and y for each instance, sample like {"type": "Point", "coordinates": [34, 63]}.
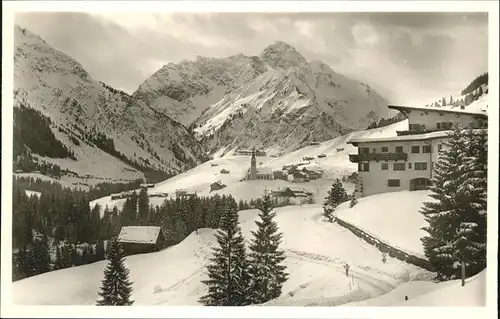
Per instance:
{"type": "Point", "coordinates": [66, 224]}
{"type": "Point", "coordinates": [32, 130]}
{"type": "Point", "coordinates": [477, 82]}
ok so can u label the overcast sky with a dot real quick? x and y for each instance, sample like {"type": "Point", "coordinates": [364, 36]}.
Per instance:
{"type": "Point", "coordinates": [405, 56]}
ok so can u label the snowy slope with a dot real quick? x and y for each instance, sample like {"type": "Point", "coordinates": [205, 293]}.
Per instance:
{"type": "Point", "coordinates": [277, 100]}
{"type": "Point", "coordinates": [79, 106]}
{"type": "Point", "coordinates": [393, 218]}
{"type": "Point", "coordinates": [480, 105]}
{"type": "Point", "coordinates": [335, 165]}
{"type": "Point", "coordinates": [184, 90]}
{"type": "Point", "coordinates": [427, 293]}
{"type": "Point", "coordinates": [316, 252]}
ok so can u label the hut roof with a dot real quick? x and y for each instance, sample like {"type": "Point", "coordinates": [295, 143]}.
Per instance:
{"type": "Point", "coordinates": [139, 234]}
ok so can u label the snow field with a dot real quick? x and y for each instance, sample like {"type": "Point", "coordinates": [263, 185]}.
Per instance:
{"type": "Point", "coordinates": [393, 218]}
{"type": "Point", "coordinates": [315, 253]}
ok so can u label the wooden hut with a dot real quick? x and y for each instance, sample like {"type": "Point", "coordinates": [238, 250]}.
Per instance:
{"type": "Point", "coordinates": [141, 239]}
{"type": "Point", "coordinates": [216, 186]}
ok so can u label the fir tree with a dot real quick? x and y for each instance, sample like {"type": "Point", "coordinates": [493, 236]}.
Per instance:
{"type": "Point", "coordinates": [336, 195]}
{"type": "Point", "coordinates": [266, 259]}
{"type": "Point", "coordinates": [457, 217]}
{"type": "Point", "coordinates": [143, 206]}
{"type": "Point", "coordinates": [116, 287]}
{"type": "Point", "coordinates": [228, 281]}
{"type": "Point", "coordinates": [57, 264]}
{"type": "Point", "coordinates": [65, 257]}
{"type": "Point", "coordinates": [354, 201]}
{"type": "Point", "coordinates": [41, 256]}
{"type": "Point", "coordinates": [480, 91]}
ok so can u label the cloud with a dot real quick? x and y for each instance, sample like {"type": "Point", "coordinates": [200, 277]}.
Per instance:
{"type": "Point", "coordinates": [403, 55]}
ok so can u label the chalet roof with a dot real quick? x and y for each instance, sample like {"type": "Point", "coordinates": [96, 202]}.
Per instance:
{"type": "Point", "coordinates": [218, 183]}
{"type": "Point", "coordinates": [415, 137]}
{"type": "Point", "coordinates": [139, 234]}
{"type": "Point", "coordinates": [438, 109]}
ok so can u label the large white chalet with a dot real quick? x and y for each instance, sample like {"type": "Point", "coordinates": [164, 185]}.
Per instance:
{"type": "Point", "coordinates": [405, 161]}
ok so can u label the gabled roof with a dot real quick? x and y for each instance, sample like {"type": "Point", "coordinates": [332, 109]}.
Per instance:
{"type": "Point", "coordinates": [296, 190]}
{"type": "Point", "coordinates": [437, 109]}
{"type": "Point", "coordinates": [218, 183]}
{"type": "Point", "coordinates": [139, 234]}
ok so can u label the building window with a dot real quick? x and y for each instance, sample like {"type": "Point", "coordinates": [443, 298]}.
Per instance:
{"type": "Point", "coordinates": [444, 125]}
{"type": "Point", "coordinates": [409, 165]}
{"type": "Point", "coordinates": [426, 149]}
{"type": "Point", "coordinates": [421, 166]}
{"type": "Point", "coordinates": [399, 149]}
{"type": "Point", "coordinates": [364, 150]}
{"type": "Point", "coordinates": [374, 150]}
{"type": "Point", "coordinates": [414, 127]}
{"type": "Point", "coordinates": [385, 166]}
{"type": "Point", "coordinates": [364, 167]}
{"type": "Point", "coordinates": [393, 182]}
{"type": "Point", "coordinates": [415, 149]}
{"type": "Point", "coordinates": [399, 166]}
{"type": "Point", "coordinates": [385, 149]}
{"type": "Point", "coordinates": [440, 147]}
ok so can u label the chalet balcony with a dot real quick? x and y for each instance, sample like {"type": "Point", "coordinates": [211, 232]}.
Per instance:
{"type": "Point", "coordinates": [356, 158]}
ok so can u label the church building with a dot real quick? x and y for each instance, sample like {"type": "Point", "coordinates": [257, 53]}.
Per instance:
{"type": "Point", "coordinates": [258, 173]}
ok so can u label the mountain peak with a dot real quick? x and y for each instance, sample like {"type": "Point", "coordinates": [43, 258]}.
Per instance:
{"type": "Point", "coordinates": [282, 55]}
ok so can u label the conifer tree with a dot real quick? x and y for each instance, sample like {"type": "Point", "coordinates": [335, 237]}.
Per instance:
{"type": "Point", "coordinates": [354, 201]}
{"type": "Point", "coordinates": [336, 195]}
{"type": "Point", "coordinates": [143, 206]}
{"type": "Point", "coordinates": [228, 281]}
{"type": "Point", "coordinates": [99, 251]}
{"type": "Point", "coordinates": [480, 91]}
{"type": "Point", "coordinates": [57, 264]}
{"type": "Point", "coordinates": [41, 256]}
{"type": "Point", "coordinates": [266, 258]}
{"type": "Point", "coordinates": [457, 216]}
{"type": "Point", "coordinates": [116, 288]}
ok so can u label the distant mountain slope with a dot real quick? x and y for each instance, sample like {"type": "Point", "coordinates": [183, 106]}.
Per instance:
{"type": "Point", "coordinates": [107, 132]}
{"type": "Point", "coordinates": [277, 100]}
{"type": "Point", "coordinates": [183, 91]}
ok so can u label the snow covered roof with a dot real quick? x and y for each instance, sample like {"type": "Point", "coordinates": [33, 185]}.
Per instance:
{"type": "Point", "coordinates": [218, 183]}
{"type": "Point", "coordinates": [415, 137]}
{"type": "Point", "coordinates": [139, 234]}
{"type": "Point", "coordinates": [296, 190]}
{"type": "Point", "coordinates": [439, 109]}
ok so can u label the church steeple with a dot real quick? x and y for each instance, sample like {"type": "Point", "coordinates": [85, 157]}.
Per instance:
{"type": "Point", "coordinates": [253, 165]}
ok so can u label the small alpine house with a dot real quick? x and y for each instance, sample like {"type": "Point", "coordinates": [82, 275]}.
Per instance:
{"type": "Point", "coordinates": [141, 239]}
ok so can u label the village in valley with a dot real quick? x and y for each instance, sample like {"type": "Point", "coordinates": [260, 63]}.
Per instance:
{"type": "Point", "coordinates": [267, 180]}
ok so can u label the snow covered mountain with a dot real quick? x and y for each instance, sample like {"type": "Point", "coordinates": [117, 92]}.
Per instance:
{"type": "Point", "coordinates": [278, 100]}
{"type": "Point", "coordinates": [111, 134]}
